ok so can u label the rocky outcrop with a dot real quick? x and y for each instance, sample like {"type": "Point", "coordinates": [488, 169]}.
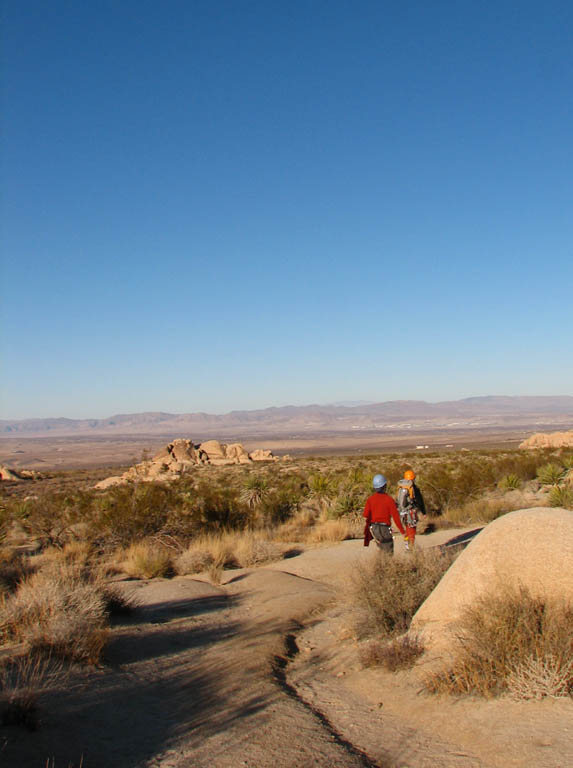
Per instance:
{"type": "Point", "coordinates": [181, 456]}
{"type": "Point", "coordinates": [549, 440]}
{"type": "Point", "coordinates": [6, 473]}
{"type": "Point", "coordinates": [529, 547]}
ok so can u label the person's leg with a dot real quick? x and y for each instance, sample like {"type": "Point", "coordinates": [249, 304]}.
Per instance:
{"type": "Point", "coordinates": [411, 535]}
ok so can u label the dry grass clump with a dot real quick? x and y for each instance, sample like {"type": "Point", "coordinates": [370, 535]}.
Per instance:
{"type": "Point", "coordinates": [56, 612]}
{"type": "Point", "coordinates": [22, 682]}
{"type": "Point", "coordinates": [255, 549]}
{"type": "Point", "coordinates": [511, 642]}
{"type": "Point", "coordinates": [193, 560]}
{"type": "Point", "coordinates": [399, 653]}
{"type": "Point", "coordinates": [227, 550]}
{"type": "Point", "coordinates": [14, 567]}
{"type": "Point", "coordinates": [297, 528]}
{"type": "Point", "coordinates": [148, 560]}
{"type": "Point", "coordinates": [330, 530]}
{"type": "Point", "coordinates": [485, 510]}
{"type": "Point", "coordinates": [389, 590]}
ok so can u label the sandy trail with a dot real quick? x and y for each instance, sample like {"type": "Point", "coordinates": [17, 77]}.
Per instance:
{"type": "Point", "coordinates": [263, 671]}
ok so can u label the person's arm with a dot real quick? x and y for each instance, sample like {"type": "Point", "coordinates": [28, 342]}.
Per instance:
{"type": "Point", "coordinates": [396, 517]}
{"type": "Point", "coordinates": [368, 516]}
{"type": "Point", "coordinates": [419, 500]}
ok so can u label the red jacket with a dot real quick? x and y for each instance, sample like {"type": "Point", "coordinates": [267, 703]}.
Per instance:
{"type": "Point", "coordinates": [380, 508]}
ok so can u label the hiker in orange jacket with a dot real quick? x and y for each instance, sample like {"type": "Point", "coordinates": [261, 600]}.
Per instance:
{"type": "Point", "coordinates": [410, 505]}
{"type": "Point", "coordinates": [379, 511]}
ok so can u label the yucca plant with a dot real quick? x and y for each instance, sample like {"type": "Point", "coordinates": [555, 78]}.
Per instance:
{"type": "Point", "coordinates": [550, 474]}
{"type": "Point", "coordinates": [560, 496]}
{"type": "Point", "coordinates": [509, 482]}
{"type": "Point", "coordinates": [255, 488]}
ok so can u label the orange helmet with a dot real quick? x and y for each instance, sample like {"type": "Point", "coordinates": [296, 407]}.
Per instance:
{"type": "Point", "coordinates": [409, 475]}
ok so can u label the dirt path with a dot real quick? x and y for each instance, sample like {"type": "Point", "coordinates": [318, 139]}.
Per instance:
{"type": "Point", "coordinates": [263, 672]}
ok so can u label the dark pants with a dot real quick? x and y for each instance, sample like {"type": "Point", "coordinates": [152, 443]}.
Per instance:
{"type": "Point", "coordinates": [382, 535]}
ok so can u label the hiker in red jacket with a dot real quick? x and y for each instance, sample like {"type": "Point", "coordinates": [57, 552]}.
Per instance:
{"type": "Point", "coordinates": [379, 511]}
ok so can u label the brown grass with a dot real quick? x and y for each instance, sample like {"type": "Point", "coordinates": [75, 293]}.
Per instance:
{"type": "Point", "coordinates": [148, 560]}
{"type": "Point", "coordinates": [58, 613]}
{"type": "Point", "coordinates": [389, 590]}
{"type": "Point", "coordinates": [22, 682]}
{"type": "Point", "coordinates": [330, 530]}
{"type": "Point", "coordinates": [399, 653]}
{"type": "Point", "coordinates": [512, 642]}
{"type": "Point", "coordinates": [232, 549]}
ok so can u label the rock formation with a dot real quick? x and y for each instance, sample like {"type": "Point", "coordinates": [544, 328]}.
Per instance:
{"type": "Point", "coordinates": [181, 456]}
{"type": "Point", "coordinates": [549, 440]}
{"type": "Point", "coordinates": [529, 547]}
{"type": "Point", "coordinates": [17, 474]}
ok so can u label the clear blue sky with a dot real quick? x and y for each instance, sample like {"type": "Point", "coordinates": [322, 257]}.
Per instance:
{"type": "Point", "coordinates": [236, 204]}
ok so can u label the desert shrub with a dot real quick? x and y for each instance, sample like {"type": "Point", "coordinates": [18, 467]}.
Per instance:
{"type": "Point", "coordinates": [350, 502]}
{"type": "Point", "coordinates": [297, 528]}
{"type": "Point", "coordinates": [398, 653]}
{"type": "Point", "coordinates": [561, 496]}
{"type": "Point", "coordinates": [509, 482]}
{"type": "Point", "coordinates": [389, 590]}
{"type": "Point", "coordinates": [51, 517]}
{"type": "Point", "coordinates": [132, 511]}
{"type": "Point", "coordinates": [148, 560]}
{"type": "Point", "coordinates": [567, 460]}
{"type": "Point", "coordinates": [219, 509]}
{"type": "Point", "coordinates": [23, 679]}
{"type": "Point", "coordinates": [252, 549]}
{"type": "Point", "coordinates": [511, 641]}
{"type": "Point", "coordinates": [117, 601]}
{"type": "Point", "coordinates": [14, 567]}
{"type": "Point", "coordinates": [56, 612]}
{"type": "Point", "coordinates": [550, 474]}
{"type": "Point", "coordinates": [479, 511]}
{"type": "Point", "coordinates": [329, 531]}
{"type": "Point", "coordinates": [193, 560]}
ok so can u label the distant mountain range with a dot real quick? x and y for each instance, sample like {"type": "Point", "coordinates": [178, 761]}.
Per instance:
{"type": "Point", "coordinates": [396, 416]}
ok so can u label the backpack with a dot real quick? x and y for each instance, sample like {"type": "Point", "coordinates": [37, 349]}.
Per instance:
{"type": "Point", "coordinates": [406, 504]}
{"type": "Point", "coordinates": [405, 498]}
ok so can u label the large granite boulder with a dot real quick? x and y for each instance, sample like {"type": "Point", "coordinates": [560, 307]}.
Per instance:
{"type": "Point", "coordinates": [529, 547]}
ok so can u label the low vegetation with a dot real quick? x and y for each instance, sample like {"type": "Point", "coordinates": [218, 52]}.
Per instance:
{"type": "Point", "coordinates": [511, 642]}
{"type": "Point", "coordinates": [61, 540]}
{"type": "Point", "coordinates": [389, 590]}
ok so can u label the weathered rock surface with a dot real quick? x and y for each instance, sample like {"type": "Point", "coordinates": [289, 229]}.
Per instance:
{"type": "Point", "coordinates": [181, 456]}
{"type": "Point", "coordinates": [529, 547]}
{"type": "Point", "coordinates": [6, 473]}
{"type": "Point", "coordinates": [549, 440]}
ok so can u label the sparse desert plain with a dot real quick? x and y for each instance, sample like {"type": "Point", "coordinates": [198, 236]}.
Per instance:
{"type": "Point", "coordinates": [232, 616]}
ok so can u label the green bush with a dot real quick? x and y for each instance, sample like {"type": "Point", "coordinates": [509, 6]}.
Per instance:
{"type": "Point", "coordinates": [559, 496]}
{"type": "Point", "coordinates": [550, 474]}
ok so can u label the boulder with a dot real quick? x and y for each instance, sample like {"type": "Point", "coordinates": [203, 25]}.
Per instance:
{"type": "Point", "coordinates": [529, 547]}
{"type": "Point", "coordinates": [109, 482]}
{"type": "Point", "coordinates": [237, 452]}
{"type": "Point", "coordinates": [260, 454]}
{"type": "Point", "coordinates": [8, 474]}
{"type": "Point", "coordinates": [549, 440]}
{"type": "Point", "coordinates": [214, 449]}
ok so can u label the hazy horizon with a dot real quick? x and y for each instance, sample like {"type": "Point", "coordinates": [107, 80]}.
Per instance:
{"type": "Point", "coordinates": [337, 404]}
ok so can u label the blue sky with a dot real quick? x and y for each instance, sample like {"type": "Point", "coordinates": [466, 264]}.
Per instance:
{"type": "Point", "coordinates": [238, 204]}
